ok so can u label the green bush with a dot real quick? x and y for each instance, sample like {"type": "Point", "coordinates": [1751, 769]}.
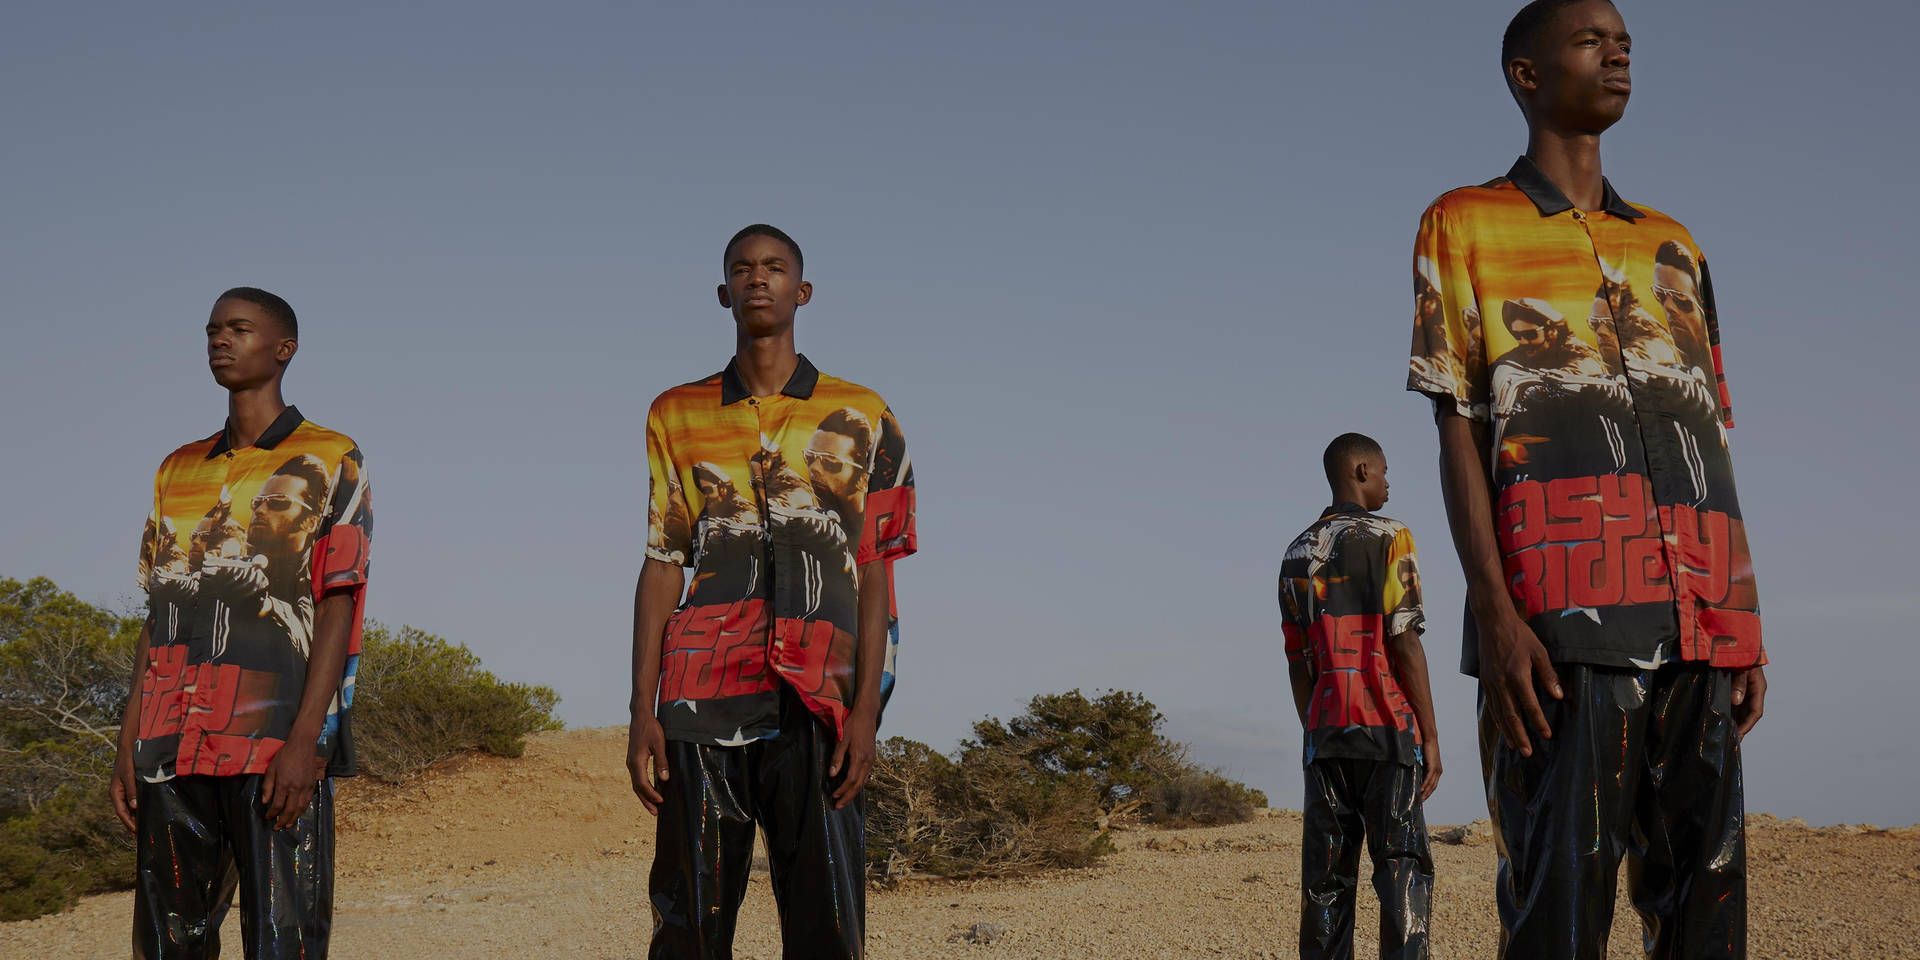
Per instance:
{"type": "Point", "coordinates": [1041, 790]}
{"type": "Point", "coordinates": [418, 700]}
{"type": "Point", "coordinates": [1201, 797]}
{"type": "Point", "coordinates": [64, 670]}
{"type": "Point", "coordinates": [990, 814]}
{"type": "Point", "coordinates": [70, 847]}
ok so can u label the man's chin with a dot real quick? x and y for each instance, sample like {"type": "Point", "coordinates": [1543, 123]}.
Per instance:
{"type": "Point", "coordinates": [762, 323]}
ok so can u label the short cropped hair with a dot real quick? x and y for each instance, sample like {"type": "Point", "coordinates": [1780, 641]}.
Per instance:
{"type": "Point", "coordinates": [1346, 450]}
{"type": "Point", "coordinates": [1523, 31]}
{"type": "Point", "coordinates": [278, 309]}
{"type": "Point", "coordinates": [763, 230]}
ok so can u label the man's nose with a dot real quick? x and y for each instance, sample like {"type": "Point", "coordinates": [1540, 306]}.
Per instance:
{"type": "Point", "coordinates": [1618, 57]}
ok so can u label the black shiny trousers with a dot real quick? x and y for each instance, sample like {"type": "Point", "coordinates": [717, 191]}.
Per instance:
{"type": "Point", "coordinates": [815, 854]}
{"type": "Point", "coordinates": [1350, 800]}
{"type": "Point", "coordinates": [199, 839]}
{"type": "Point", "coordinates": [1643, 764]}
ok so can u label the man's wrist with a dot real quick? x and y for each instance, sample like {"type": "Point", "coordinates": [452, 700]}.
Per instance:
{"type": "Point", "coordinates": [306, 735]}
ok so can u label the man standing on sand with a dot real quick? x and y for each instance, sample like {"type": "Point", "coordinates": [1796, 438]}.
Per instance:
{"type": "Point", "coordinates": [1350, 593]}
{"type": "Point", "coordinates": [238, 715]}
{"type": "Point", "coordinates": [763, 708]}
{"type": "Point", "coordinates": [1612, 615]}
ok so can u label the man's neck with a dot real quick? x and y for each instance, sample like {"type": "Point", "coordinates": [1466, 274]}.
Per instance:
{"type": "Point", "coordinates": [1572, 162]}
{"type": "Point", "coordinates": [251, 410]}
{"type": "Point", "coordinates": [1348, 493]}
{"type": "Point", "coordinates": [765, 364]}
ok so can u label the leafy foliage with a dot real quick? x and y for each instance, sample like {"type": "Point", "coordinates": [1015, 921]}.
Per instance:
{"type": "Point", "coordinates": [1041, 790]}
{"type": "Point", "coordinates": [419, 699]}
{"type": "Point", "coordinates": [65, 667]}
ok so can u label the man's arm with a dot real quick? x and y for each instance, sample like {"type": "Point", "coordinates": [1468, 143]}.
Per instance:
{"type": "Point", "coordinates": [1512, 659]}
{"type": "Point", "coordinates": [1410, 668]}
{"type": "Point", "coordinates": [296, 769]}
{"type": "Point", "coordinates": [655, 596]}
{"type": "Point", "coordinates": [124, 789]}
{"type": "Point", "coordinates": [856, 748]}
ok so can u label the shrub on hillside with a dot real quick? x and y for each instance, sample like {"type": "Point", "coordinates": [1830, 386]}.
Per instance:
{"type": "Point", "coordinates": [1041, 790]}
{"type": "Point", "coordinates": [69, 847]}
{"type": "Point", "coordinates": [989, 814]}
{"type": "Point", "coordinates": [1201, 797]}
{"type": "Point", "coordinates": [419, 699]}
{"type": "Point", "coordinates": [64, 669]}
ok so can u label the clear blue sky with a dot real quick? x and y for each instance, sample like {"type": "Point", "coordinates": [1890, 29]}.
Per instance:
{"type": "Point", "coordinates": [1121, 270]}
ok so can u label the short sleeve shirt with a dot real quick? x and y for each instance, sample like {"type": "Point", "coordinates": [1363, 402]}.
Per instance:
{"type": "Point", "coordinates": [775, 502]}
{"type": "Point", "coordinates": [1589, 342]}
{"type": "Point", "coordinates": [240, 546]}
{"type": "Point", "coordinates": [1348, 584]}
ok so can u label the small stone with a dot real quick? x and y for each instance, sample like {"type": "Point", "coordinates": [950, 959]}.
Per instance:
{"type": "Point", "coordinates": [985, 934]}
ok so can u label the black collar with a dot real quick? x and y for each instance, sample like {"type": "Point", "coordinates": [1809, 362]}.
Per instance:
{"type": "Point", "coordinates": [1344, 506]}
{"type": "Point", "coordinates": [282, 427]}
{"type": "Point", "coordinates": [799, 386]}
{"type": "Point", "coordinates": [1527, 176]}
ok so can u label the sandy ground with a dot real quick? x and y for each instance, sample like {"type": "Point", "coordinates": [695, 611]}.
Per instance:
{"type": "Point", "coordinates": [547, 855]}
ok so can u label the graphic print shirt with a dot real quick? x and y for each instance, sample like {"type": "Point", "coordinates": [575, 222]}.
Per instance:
{"type": "Point", "coordinates": [1588, 341]}
{"type": "Point", "coordinates": [1349, 583]}
{"type": "Point", "coordinates": [775, 502]}
{"type": "Point", "coordinates": [240, 546]}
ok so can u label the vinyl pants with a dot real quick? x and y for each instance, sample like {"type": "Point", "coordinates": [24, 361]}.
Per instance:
{"type": "Point", "coordinates": [1349, 800]}
{"type": "Point", "coordinates": [198, 839]}
{"type": "Point", "coordinates": [816, 855]}
{"type": "Point", "coordinates": [1642, 763]}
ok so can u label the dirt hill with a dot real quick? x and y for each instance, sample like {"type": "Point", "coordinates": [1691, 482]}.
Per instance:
{"type": "Point", "coordinates": [547, 855]}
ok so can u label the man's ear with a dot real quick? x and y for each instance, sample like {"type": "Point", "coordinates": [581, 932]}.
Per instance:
{"type": "Point", "coordinates": [726, 301]}
{"type": "Point", "coordinates": [1522, 76]}
{"type": "Point", "coordinates": [806, 293]}
{"type": "Point", "coordinates": [285, 351]}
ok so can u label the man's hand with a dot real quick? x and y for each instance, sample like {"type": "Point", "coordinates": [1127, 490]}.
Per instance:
{"type": "Point", "coordinates": [1431, 751]}
{"type": "Point", "coordinates": [124, 788]}
{"type": "Point", "coordinates": [855, 754]}
{"type": "Point", "coordinates": [1749, 697]}
{"type": "Point", "coordinates": [647, 748]}
{"type": "Point", "coordinates": [290, 779]}
{"type": "Point", "coordinates": [1512, 661]}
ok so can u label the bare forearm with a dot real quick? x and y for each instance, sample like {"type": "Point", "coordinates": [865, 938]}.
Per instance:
{"type": "Point", "coordinates": [326, 661]}
{"type": "Point", "coordinates": [655, 595]}
{"type": "Point", "coordinates": [876, 611]}
{"type": "Point", "coordinates": [1467, 490]}
{"type": "Point", "coordinates": [1410, 666]}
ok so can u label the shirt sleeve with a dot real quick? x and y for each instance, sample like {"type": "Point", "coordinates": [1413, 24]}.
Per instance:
{"type": "Point", "coordinates": [150, 538]}
{"type": "Point", "coordinates": [890, 531]}
{"type": "Point", "coordinates": [1293, 623]}
{"type": "Point", "coordinates": [669, 524]}
{"type": "Point", "coordinates": [1448, 359]}
{"type": "Point", "coordinates": [1401, 596]}
{"type": "Point", "coordinates": [345, 538]}
{"type": "Point", "coordinates": [1713, 342]}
